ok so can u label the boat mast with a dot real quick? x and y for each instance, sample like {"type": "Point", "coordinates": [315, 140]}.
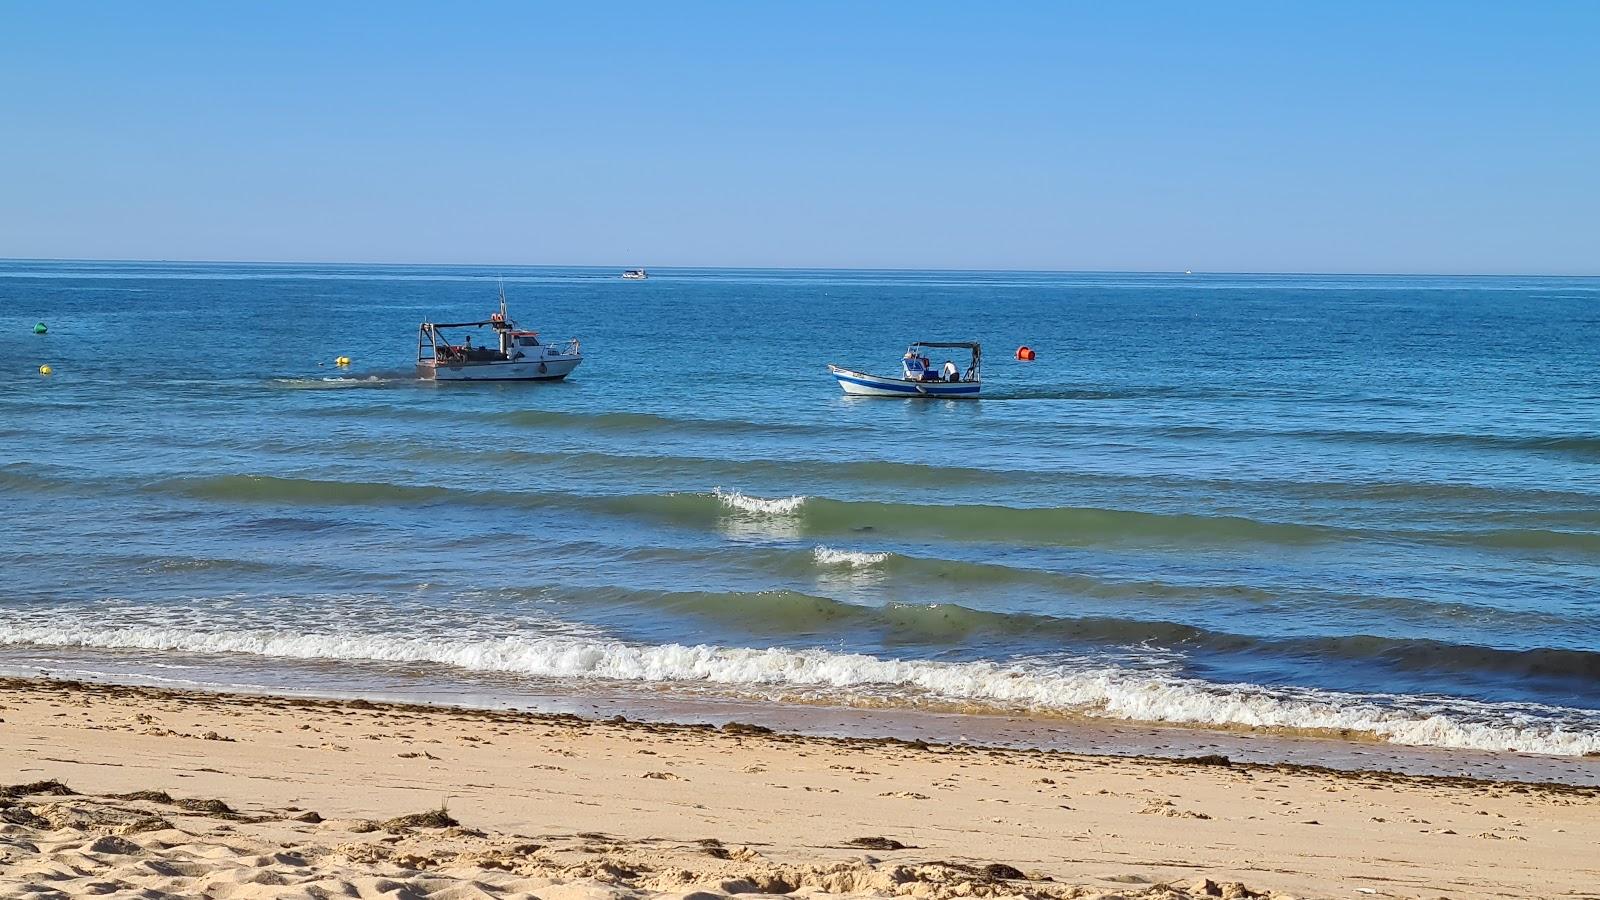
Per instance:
{"type": "Point", "coordinates": [502, 325]}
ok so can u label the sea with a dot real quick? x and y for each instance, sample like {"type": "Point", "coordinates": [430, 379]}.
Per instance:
{"type": "Point", "coordinates": [1361, 507]}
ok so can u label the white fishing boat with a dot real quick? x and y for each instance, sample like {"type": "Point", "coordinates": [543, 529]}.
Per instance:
{"type": "Point", "coordinates": [517, 355]}
{"type": "Point", "coordinates": [920, 378]}
{"type": "Point", "coordinates": [635, 274]}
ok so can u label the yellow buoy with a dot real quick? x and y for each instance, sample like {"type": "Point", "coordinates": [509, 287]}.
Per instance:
{"type": "Point", "coordinates": [45, 370]}
{"type": "Point", "coordinates": [342, 361]}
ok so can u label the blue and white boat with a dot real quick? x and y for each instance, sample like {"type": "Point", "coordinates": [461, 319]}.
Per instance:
{"type": "Point", "coordinates": [921, 378]}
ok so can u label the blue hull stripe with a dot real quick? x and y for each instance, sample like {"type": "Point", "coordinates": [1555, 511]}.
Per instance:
{"type": "Point", "coordinates": [932, 390]}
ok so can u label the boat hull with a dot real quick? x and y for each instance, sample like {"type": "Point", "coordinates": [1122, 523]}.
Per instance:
{"type": "Point", "coordinates": [547, 369]}
{"type": "Point", "coordinates": [861, 384]}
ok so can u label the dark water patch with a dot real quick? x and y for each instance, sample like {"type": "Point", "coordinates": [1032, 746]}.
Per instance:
{"type": "Point", "coordinates": [177, 565]}
{"type": "Point", "coordinates": [753, 469]}
{"type": "Point", "coordinates": [1580, 445]}
{"type": "Point", "coordinates": [1419, 655]}
{"type": "Point", "coordinates": [816, 516]}
{"type": "Point", "coordinates": [790, 615]}
{"type": "Point", "coordinates": [1481, 499]}
{"type": "Point", "coordinates": [38, 478]}
{"type": "Point", "coordinates": [1585, 446]}
{"type": "Point", "coordinates": [1480, 504]}
{"type": "Point", "coordinates": [290, 525]}
{"type": "Point", "coordinates": [963, 575]}
{"type": "Point", "coordinates": [1527, 540]}
{"type": "Point", "coordinates": [1484, 500]}
{"type": "Point", "coordinates": [633, 422]}
{"type": "Point", "coordinates": [169, 566]}
{"type": "Point", "coordinates": [883, 572]}
{"type": "Point", "coordinates": [314, 492]}
{"type": "Point", "coordinates": [1120, 392]}
{"type": "Point", "coordinates": [616, 422]}
{"type": "Point", "coordinates": [1069, 526]}
{"type": "Point", "coordinates": [333, 407]}
{"type": "Point", "coordinates": [825, 517]}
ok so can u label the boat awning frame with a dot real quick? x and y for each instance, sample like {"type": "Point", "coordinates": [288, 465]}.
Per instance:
{"type": "Point", "coordinates": [457, 324]}
{"type": "Point", "coordinates": [974, 371]}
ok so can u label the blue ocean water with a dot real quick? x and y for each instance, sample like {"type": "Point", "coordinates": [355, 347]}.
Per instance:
{"type": "Point", "coordinates": [1366, 504]}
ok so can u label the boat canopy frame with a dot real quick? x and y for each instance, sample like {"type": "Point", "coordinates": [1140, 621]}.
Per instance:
{"type": "Point", "coordinates": [974, 371]}
{"type": "Point", "coordinates": [430, 338]}
{"type": "Point", "coordinates": [464, 324]}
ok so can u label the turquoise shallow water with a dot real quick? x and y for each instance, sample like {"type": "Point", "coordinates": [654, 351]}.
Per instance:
{"type": "Point", "coordinates": [1309, 501]}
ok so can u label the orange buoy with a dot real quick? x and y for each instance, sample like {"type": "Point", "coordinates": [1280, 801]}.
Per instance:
{"type": "Point", "coordinates": [1025, 353]}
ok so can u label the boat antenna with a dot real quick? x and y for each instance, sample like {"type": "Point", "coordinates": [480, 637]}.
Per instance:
{"type": "Point", "coordinates": [502, 298]}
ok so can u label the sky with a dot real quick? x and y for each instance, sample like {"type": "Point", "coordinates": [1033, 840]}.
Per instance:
{"type": "Point", "coordinates": [1451, 137]}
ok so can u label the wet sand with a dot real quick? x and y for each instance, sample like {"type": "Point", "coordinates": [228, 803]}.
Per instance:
{"type": "Point", "coordinates": [193, 794]}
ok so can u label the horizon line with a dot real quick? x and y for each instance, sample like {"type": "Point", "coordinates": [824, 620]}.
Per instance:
{"type": "Point", "coordinates": [728, 268]}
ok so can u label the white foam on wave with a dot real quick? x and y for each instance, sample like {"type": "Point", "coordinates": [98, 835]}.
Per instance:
{"type": "Point", "coordinates": [855, 559]}
{"type": "Point", "coordinates": [761, 506]}
{"type": "Point", "coordinates": [1112, 693]}
{"type": "Point", "coordinates": [332, 382]}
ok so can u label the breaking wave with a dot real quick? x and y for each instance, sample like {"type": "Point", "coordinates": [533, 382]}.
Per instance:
{"type": "Point", "coordinates": [854, 559]}
{"type": "Point", "coordinates": [760, 506]}
{"type": "Point", "coordinates": [1102, 692]}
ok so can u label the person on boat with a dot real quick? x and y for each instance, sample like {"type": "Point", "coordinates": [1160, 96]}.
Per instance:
{"type": "Point", "coordinates": [949, 371]}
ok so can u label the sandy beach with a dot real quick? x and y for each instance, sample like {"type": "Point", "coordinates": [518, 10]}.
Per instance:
{"type": "Point", "coordinates": [131, 791]}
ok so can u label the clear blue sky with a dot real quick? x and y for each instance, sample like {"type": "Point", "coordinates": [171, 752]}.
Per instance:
{"type": "Point", "coordinates": [1334, 137]}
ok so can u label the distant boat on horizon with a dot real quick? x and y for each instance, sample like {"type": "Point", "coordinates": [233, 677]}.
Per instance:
{"type": "Point", "coordinates": [635, 274]}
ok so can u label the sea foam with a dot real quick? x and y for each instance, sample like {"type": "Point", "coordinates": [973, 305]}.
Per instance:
{"type": "Point", "coordinates": [760, 506]}
{"type": "Point", "coordinates": [855, 559]}
{"type": "Point", "coordinates": [1105, 692]}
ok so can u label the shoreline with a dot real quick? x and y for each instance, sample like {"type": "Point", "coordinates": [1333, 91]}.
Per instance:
{"type": "Point", "coordinates": [512, 667]}
{"type": "Point", "coordinates": [624, 808]}
{"type": "Point", "coordinates": [989, 730]}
